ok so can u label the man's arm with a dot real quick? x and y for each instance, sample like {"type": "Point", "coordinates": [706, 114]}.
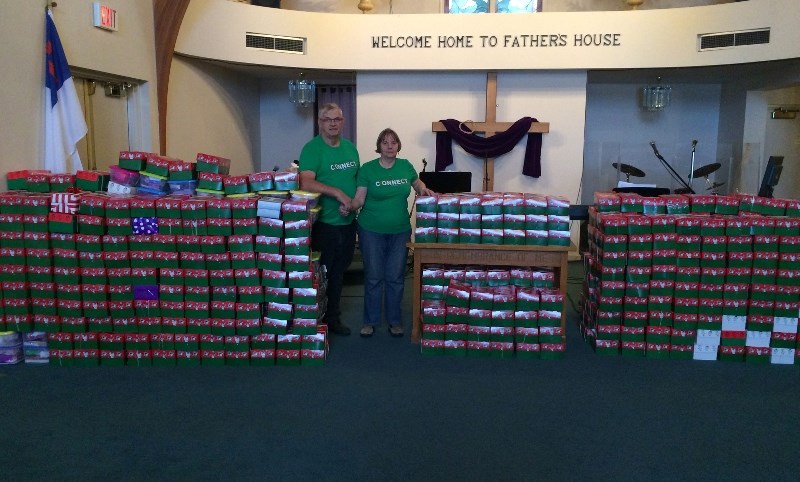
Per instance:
{"type": "Point", "coordinates": [308, 182]}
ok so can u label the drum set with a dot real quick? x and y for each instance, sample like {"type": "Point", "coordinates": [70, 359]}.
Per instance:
{"type": "Point", "coordinates": [704, 172]}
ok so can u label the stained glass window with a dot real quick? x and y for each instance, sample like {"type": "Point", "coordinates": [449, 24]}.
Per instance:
{"type": "Point", "coordinates": [483, 6]}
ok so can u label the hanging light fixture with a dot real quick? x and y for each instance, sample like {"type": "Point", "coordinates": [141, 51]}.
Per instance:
{"type": "Point", "coordinates": [302, 92]}
{"type": "Point", "coordinates": [634, 4]}
{"type": "Point", "coordinates": [656, 97]}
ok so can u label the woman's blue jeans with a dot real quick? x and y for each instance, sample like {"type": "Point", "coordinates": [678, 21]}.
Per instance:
{"type": "Point", "coordinates": [384, 257]}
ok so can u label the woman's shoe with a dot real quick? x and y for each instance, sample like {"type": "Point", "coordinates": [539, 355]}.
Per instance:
{"type": "Point", "coordinates": [396, 331]}
{"type": "Point", "coordinates": [367, 331]}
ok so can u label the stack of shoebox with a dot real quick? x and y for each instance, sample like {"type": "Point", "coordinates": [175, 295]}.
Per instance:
{"type": "Point", "coordinates": [694, 276]}
{"type": "Point", "coordinates": [160, 280]}
{"type": "Point", "coordinates": [492, 218]}
{"type": "Point", "coordinates": [480, 311]}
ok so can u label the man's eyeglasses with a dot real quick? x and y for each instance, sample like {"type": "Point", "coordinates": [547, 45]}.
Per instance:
{"type": "Point", "coordinates": [329, 120]}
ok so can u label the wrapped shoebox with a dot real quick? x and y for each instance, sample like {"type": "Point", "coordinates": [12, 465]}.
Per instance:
{"type": "Point", "coordinates": [286, 181]}
{"type": "Point", "coordinates": [270, 227]}
{"type": "Point", "coordinates": [212, 163]}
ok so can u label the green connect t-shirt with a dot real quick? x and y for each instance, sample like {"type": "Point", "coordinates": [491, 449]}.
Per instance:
{"type": "Point", "coordinates": [386, 206]}
{"type": "Point", "coordinates": [334, 166]}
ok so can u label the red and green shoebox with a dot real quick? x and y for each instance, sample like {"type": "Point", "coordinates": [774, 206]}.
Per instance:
{"type": "Point", "coordinates": [287, 357]}
{"type": "Point", "coordinates": [237, 358]}
{"type": "Point", "coordinates": [18, 180]}
{"type": "Point", "coordinates": [274, 326]}
{"type": "Point", "coordinates": [244, 263]}
{"type": "Point", "coordinates": [196, 227]}
{"type": "Point", "coordinates": [276, 295]}
{"type": "Point", "coordinates": [633, 348]}
{"type": "Point", "coordinates": [731, 353]}
{"type": "Point", "coordinates": [212, 163]}
{"type": "Point", "coordinates": [244, 226]}
{"type": "Point", "coordinates": [139, 358]}
{"type": "Point", "coordinates": [92, 180]}
{"type": "Point", "coordinates": [607, 347]}
{"type": "Point", "coordinates": [657, 350]}
{"type": "Point", "coordinates": [681, 351]}
{"type": "Point", "coordinates": [262, 357]}
{"type": "Point", "coordinates": [433, 313]}
{"type": "Point", "coordinates": [609, 332]}
{"type": "Point", "coordinates": [164, 358]}
{"type": "Point", "coordinates": [133, 160]}
{"type": "Point", "coordinates": [249, 327]}
{"type": "Point", "coordinates": [235, 185]}
{"type": "Point", "coordinates": [158, 165]}
{"type": "Point", "coordinates": [659, 335]}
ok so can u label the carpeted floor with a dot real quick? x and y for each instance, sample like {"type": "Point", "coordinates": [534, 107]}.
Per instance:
{"type": "Point", "coordinates": [378, 410]}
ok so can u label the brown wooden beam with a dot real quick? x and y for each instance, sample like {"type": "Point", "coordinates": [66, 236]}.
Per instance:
{"type": "Point", "coordinates": [167, 19]}
{"type": "Point", "coordinates": [481, 127]}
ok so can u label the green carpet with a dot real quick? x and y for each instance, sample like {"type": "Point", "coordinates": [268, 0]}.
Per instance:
{"type": "Point", "coordinates": [378, 410]}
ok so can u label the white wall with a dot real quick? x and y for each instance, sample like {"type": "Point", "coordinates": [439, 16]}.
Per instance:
{"type": "Point", "coordinates": [129, 52]}
{"type": "Point", "coordinates": [410, 102]}
{"type": "Point", "coordinates": [645, 39]}
{"type": "Point", "coordinates": [215, 111]}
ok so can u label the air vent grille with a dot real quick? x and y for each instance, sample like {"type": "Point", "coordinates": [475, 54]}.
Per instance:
{"type": "Point", "coordinates": [734, 39]}
{"type": "Point", "coordinates": [275, 43]}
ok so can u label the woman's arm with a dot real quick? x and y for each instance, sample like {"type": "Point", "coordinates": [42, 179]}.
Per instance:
{"type": "Point", "coordinates": [421, 189]}
{"type": "Point", "coordinates": [358, 199]}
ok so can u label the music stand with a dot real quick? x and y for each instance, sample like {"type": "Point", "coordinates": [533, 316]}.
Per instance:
{"type": "Point", "coordinates": [445, 182]}
{"type": "Point", "coordinates": [771, 176]}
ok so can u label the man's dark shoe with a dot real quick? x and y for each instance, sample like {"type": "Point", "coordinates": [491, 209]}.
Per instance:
{"type": "Point", "coordinates": [338, 328]}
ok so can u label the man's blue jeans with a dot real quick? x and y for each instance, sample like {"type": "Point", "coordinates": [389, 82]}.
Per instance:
{"type": "Point", "coordinates": [384, 257]}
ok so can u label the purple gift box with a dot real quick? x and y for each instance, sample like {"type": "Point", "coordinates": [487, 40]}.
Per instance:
{"type": "Point", "coordinates": [148, 225]}
{"type": "Point", "coordinates": [145, 292]}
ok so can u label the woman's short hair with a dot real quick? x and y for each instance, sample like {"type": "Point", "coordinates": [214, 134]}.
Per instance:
{"type": "Point", "coordinates": [383, 135]}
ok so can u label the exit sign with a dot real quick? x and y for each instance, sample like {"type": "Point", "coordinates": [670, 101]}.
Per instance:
{"type": "Point", "coordinates": [105, 17]}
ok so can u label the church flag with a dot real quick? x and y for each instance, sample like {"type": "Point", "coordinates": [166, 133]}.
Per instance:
{"type": "Point", "coordinates": [64, 124]}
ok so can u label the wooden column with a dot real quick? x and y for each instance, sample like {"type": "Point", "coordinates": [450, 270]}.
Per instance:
{"type": "Point", "coordinates": [167, 18]}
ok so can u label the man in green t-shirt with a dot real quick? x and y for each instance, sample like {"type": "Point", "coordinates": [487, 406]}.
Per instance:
{"type": "Point", "coordinates": [328, 165]}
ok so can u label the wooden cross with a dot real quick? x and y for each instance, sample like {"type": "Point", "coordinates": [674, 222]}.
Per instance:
{"type": "Point", "coordinates": [490, 127]}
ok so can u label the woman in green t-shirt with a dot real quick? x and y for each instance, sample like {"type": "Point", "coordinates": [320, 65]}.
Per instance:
{"type": "Point", "coordinates": [384, 228]}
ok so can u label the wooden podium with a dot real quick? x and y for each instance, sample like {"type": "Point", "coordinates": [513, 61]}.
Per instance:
{"type": "Point", "coordinates": [554, 257]}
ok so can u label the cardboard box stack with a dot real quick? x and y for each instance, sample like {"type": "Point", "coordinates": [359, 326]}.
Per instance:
{"type": "Point", "coordinates": [704, 277]}
{"type": "Point", "coordinates": [161, 278]}
{"type": "Point", "coordinates": [493, 218]}
{"type": "Point", "coordinates": [482, 311]}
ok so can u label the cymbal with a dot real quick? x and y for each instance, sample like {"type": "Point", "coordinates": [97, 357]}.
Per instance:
{"type": "Point", "coordinates": [628, 170]}
{"type": "Point", "coordinates": [706, 170]}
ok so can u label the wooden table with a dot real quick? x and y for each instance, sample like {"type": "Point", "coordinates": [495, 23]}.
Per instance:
{"type": "Point", "coordinates": [490, 255]}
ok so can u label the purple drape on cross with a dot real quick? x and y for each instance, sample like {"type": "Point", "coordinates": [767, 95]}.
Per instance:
{"type": "Point", "coordinates": [496, 145]}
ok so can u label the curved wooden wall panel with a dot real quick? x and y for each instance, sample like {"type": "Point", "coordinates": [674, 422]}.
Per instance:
{"type": "Point", "coordinates": [167, 18]}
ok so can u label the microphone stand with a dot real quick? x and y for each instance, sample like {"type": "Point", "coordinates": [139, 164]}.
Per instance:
{"type": "Point", "coordinates": [691, 172]}
{"type": "Point", "coordinates": [674, 174]}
